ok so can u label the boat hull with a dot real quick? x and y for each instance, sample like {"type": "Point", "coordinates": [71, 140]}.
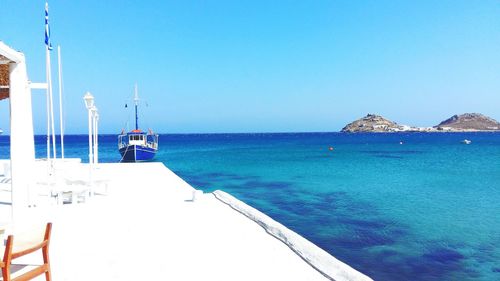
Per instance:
{"type": "Point", "coordinates": [137, 153]}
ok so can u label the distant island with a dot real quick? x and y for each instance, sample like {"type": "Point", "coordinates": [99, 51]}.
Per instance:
{"type": "Point", "coordinates": [467, 122]}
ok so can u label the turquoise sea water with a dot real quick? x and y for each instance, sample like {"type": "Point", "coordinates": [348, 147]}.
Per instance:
{"type": "Point", "coordinates": [427, 209]}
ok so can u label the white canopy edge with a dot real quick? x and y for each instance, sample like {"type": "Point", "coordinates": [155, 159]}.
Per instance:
{"type": "Point", "coordinates": [10, 54]}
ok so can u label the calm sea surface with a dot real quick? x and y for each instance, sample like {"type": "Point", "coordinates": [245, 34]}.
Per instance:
{"type": "Point", "coordinates": [427, 209]}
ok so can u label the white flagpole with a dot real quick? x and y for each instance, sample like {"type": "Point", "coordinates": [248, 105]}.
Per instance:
{"type": "Point", "coordinates": [47, 63]}
{"type": "Point", "coordinates": [49, 78]}
{"type": "Point", "coordinates": [48, 47]}
{"type": "Point", "coordinates": [52, 112]}
{"type": "Point", "coordinates": [60, 100]}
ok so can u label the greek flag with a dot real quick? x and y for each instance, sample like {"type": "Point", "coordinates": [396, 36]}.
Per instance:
{"type": "Point", "coordinates": [47, 29]}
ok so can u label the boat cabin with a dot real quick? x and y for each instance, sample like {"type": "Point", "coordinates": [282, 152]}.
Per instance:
{"type": "Point", "coordinates": [139, 138]}
{"type": "Point", "coordinates": [136, 139]}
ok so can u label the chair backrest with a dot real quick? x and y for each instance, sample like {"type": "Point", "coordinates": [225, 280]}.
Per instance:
{"type": "Point", "coordinates": [9, 256]}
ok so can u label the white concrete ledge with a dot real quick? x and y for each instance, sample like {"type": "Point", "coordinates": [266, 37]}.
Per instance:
{"type": "Point", "coordinates": [316, 257]}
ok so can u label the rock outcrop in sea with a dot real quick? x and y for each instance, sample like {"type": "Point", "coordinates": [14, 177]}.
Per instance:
{"type": "Point", "coordinates": [374, 124]}
{"type": "Point", "coordinates": [469, 122]}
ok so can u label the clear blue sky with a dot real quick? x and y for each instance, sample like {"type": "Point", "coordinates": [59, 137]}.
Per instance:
{"type": "Point", "coordinates": [263, 66]}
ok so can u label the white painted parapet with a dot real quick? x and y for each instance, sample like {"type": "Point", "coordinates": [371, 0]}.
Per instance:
{"type": "Point", "coordinates": [316, 257]}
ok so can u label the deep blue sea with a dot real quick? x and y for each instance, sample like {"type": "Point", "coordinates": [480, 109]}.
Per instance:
{"type": "Point", "coordinates": [427, 209]}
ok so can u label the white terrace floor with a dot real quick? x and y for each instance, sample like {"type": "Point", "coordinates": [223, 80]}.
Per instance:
{"type": "Point", "coordinates": [147, 228]}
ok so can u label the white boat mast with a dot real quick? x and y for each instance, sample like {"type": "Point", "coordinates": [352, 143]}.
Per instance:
{"type": "Point", "coordinates": [136, 102]}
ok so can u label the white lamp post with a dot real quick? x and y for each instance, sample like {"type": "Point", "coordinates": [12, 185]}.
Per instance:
{"type": "Point", "coordinates": [89, 104]}
{"type": "Point", "coordinates": [96, 121]}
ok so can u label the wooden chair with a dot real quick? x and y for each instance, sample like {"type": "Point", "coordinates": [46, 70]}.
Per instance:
{"type": "Point", "coordinates": [9, 256]}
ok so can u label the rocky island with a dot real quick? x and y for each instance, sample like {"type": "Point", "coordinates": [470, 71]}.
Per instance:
{"type": "Point", "coordinates": [468, 122]}
{"type": "Point", "coordinates": [373, 123]}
